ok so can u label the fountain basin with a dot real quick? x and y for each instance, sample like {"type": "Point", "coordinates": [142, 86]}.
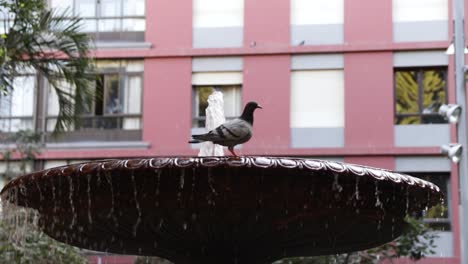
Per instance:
{"type": "Point", "coordinates": [221, 209]}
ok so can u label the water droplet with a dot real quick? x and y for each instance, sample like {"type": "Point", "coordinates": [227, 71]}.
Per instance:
{"type": "Point", "coordinates": [137, 204]}
{"type": "Point", "coordinates": [158, 183]}
{"type": "Point", "coordinates": [336, 186]}
{"type": "Point", "coordinates": [90, 220]}
{"type": "Point", "coordinates": [356, 191]}
{"type": "Point", "coordinates": [378, 203]}
{"type": "Point", "coordinates": [112, 209]}
{"type": "Point", "coordinates": [70, 198]}
{"type": "Point", "coordinates": [181, 186]}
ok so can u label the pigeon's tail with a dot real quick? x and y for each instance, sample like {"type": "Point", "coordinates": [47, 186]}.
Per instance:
{"type": "Point", "coordinates": [194, 141]}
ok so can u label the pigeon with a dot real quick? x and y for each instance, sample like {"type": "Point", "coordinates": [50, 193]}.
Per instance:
{"type": "Point", "coordinates": [232, 132]}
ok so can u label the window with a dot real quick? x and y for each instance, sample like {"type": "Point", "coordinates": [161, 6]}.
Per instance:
{"type": "Point", "coordinates": [317, 98]}
{"type": "Point", "coordinates": [420, 20]}
{"type": "Point", "coordinates": [438, 216]}
{"type": "Point", "coordinates": [214, 13]}
{"type": "Point", "coordinates": [316, 22]}
{"type": "Point", "coordinates": [231, 96]}
{"type": "Point", "coordinates": [6, 20]}
{"type": "Point", "coordinates": [217, 24]}
{"type": "Point", "coordinates": [108, 20]}
{"type": "Point", "coordinates": [306, 12]}
{"type": "Point", "coordinates": [17, 105]}
{"type": "Point", "coordinates": [118, 95]}
{"type": "Point", "coordinates": [419, 92]}
{"type": "Point", "coordinates": [419, 10]}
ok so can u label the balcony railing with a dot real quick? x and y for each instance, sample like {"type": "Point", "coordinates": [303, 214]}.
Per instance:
{"type": "Point", "coordinates": [106, 122]}
{"type": "Point", "coordinates": [11, 124]}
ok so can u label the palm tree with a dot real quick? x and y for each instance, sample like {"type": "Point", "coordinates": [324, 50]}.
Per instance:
{"type": "Point", "coordinates": [51, 44]}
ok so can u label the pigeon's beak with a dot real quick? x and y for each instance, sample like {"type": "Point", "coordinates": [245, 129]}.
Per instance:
{"type": "Point", "coordinates": [258, 106]}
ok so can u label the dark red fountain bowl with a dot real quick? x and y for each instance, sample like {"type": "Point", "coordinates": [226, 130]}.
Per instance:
{"type": "Point", "coordinates": [221, 209]}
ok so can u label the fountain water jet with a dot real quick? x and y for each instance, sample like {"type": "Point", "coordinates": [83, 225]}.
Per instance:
{"type": "Point", "coordinates": [214, 117]}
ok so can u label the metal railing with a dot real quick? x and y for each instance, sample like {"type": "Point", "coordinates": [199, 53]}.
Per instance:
{"type": "Point", "coordinates": [105, 122]}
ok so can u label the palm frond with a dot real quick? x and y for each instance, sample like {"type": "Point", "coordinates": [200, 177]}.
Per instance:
{"type": "Point", "coordinates": [52, 44]}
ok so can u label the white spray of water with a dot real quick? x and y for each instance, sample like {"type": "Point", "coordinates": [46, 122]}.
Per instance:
{"type": "Point", "coordinates": [214, 118]}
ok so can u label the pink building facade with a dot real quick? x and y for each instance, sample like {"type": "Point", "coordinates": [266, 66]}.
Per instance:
{"type": "Point", "coordinates": [327, 84]}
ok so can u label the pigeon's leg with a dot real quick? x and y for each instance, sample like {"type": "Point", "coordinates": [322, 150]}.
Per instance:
{"type": "Point", "coordinates": [231, 149]}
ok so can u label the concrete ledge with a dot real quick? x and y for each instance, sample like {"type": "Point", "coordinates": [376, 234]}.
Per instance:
{"type": "Point", "coordinates": [98, 145]}
{"type": "Point", "coordinates": [121, 45]}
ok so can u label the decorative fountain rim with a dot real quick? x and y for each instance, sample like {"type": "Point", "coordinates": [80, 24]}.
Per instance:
{"type": "Point", "coordinates": [243, 161]}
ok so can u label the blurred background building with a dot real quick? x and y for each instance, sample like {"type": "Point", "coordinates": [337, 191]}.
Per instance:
{"type": "Point", "coordinates": [353, 81]}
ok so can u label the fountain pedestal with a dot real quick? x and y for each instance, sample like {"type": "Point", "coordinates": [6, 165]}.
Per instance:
{"type": "Point", "coordinates": [221, 209]}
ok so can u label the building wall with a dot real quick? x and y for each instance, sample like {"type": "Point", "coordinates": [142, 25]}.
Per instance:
{"type": "Point", "coordinates": [365, 41]}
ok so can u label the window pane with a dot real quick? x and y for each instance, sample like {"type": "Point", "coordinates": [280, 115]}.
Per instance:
{"type": "Point", "coordinates": [2, 28]}
{"type": "Point", "coordinates": [231, 97]}
{"type": "Point", "coordinates": [232, 101]}
{"type": "Point", "coordinates": [111, 96]}
{"type": "Point", "coordinates": [3, 12]}
{"type": "Point", "coordinates": [134, 7]}
{"type": "Point", "coordinates": [89, 25]}
{"type": "Point", "coordinates": [132, 95]}
{"type": "Point", "coordinates": [201, 99]}
{"type": "Point", "coordinates": [434, 90]}
{"type": "Point", "coordinates": [406, 84]}
{"type": "Point", "coordinates": [407, 98]}
{"type": "Point", "coordinates": [62, 5]}
{"type": "Point", "coordinates": [109, 25]}
{"type": "Point", "coordinates": [85, 8]}
{"type": "Point", "coordinates": [215, 13]}
{"type": "Point", "coordinates": [131, 123]}
{"type": "Point", "coordinates": [317, 98]}
{"type": "Point", "coordinates": [319, 12]}
{"type": "Point", "coordinates": [135, 66]}
{"type": "Point", "coordinates": [110, 8]}
{"type": "Point", "coordinates": [419, 10]}
{"type": "Point", "coordinates": [134, 24]}
{"type": "Point", "coordinates": [419, 94]}
{"type": "Point", "coordinates": [22, 99]}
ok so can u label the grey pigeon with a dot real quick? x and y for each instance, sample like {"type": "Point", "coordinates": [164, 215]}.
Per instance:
{"type": "Point", "coordinates": [232, 132]}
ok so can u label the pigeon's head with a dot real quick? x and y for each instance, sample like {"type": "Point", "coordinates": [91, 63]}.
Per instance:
{"type": "Point", "coordinates": [252, 106]}
{"type": "Point", "coordinates": [249, 109]}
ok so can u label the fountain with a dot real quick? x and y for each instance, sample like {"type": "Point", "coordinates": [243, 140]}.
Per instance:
{"type": "Point", "coordinates": [221, 209]}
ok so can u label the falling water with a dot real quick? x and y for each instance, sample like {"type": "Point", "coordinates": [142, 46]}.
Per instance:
{"type": "Point", "coordinates": [88, 190]}
{"type": "Point", "coordinates": [192, 192]}
{"type": "Point", "coordinates": [336, 185]}
{"type": "Point", "coordinates": [356, 191]}
{"type": "Point", "coordinates": [158, 182]}
{"type": "Point", "coordinates": [70, 198]}
{"type": "Point", "coordinates": [407, 201]}
{"type": "Point", "coordinates": [378, 203]}
{"type": "Point", "coordinates": [137, 205]}
{"type": "Point", "coordinates": [18, 221]}
{"type": "Point", "coordinates": [111, 212]}
{"type": "Point", "coordinates": [181, 186]}
{"type": "Point", "coordinates": [214, 117]}
{"type": "Point", "coordinates": [212, 188]}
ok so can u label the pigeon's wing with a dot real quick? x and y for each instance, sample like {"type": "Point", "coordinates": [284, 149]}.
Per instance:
{"type": "Point", "coordinates": [233, 131]}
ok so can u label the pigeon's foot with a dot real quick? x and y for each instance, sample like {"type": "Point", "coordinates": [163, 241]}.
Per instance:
{"type": "Point", "coordinates": [232, 152]}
